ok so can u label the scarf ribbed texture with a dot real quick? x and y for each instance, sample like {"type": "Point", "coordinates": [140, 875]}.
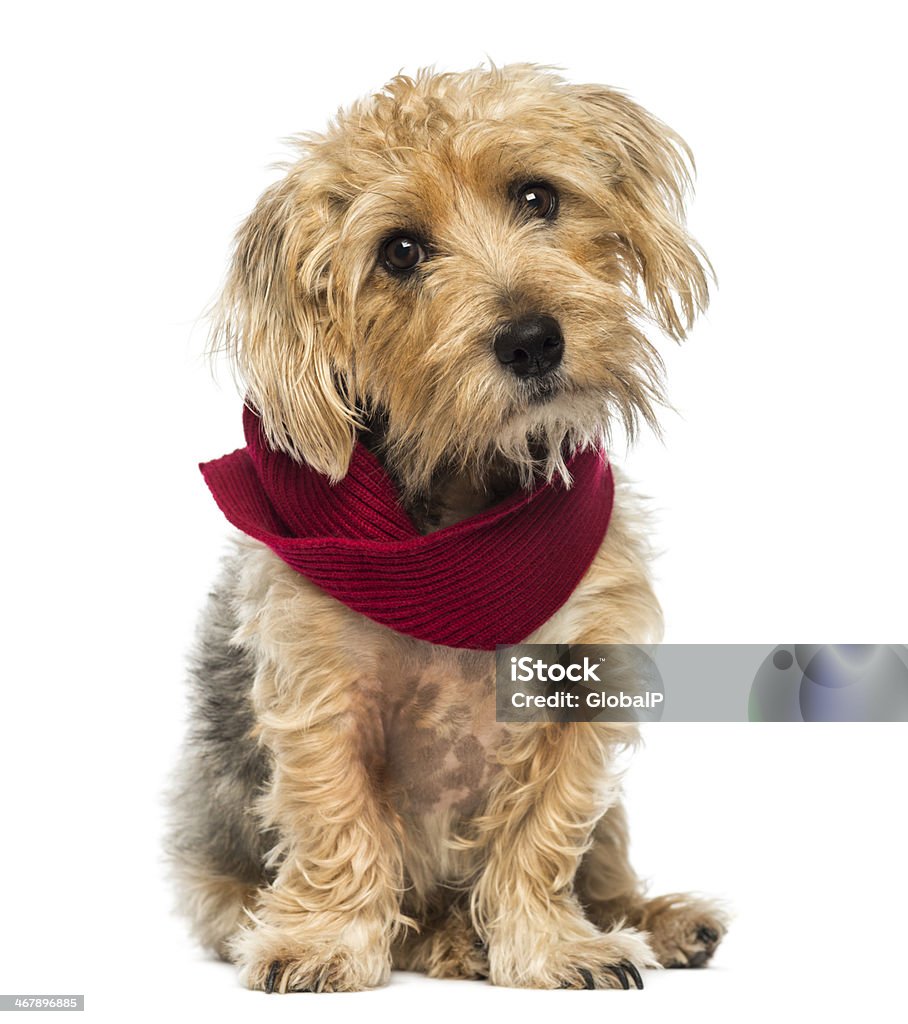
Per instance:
{"type": "Point", "coordinates": [491, 579]}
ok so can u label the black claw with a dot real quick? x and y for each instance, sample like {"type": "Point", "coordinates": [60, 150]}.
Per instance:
{"type": "Point", "coordinates": [619, 974]}
{"type": "Point", "coordinates": [705, 934]}
{"type": "Point", "coordinates": [587, 977]}
{"type": "Point", "coordinates": [273, 973]}
{"type": "Point", "coordinates": [633, 972]}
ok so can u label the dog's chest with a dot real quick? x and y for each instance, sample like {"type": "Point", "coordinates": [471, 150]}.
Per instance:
{"type": "Point", "coordinates": [436, 708]}
{"type": "Point", "coordinates": [421, 716]}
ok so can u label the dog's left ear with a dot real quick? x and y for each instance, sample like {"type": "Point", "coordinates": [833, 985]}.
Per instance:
{"type": "Point", "coordinates": [647, 170]}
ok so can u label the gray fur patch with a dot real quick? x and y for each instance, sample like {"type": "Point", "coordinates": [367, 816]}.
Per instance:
{"type": "Point", "coordinates": [214, 827]}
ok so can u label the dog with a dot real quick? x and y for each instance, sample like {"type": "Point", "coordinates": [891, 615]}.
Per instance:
{"type": "Point", "coordinates": [455, 281]}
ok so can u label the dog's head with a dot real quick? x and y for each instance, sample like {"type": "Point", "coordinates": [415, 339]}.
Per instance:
{"type": "Point", "coordinates": [473, 259]}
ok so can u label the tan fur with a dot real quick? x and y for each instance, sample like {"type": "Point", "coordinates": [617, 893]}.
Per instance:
{"type": "Point", "coordinates": [218, 905]}
{"type": "Point", "coordinates": [406, 821]}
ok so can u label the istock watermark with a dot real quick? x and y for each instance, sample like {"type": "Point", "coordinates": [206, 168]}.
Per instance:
{"type": "Point", "coordinates": [702, 683]}
{"type": "Point", "coordinates": [527, 670]}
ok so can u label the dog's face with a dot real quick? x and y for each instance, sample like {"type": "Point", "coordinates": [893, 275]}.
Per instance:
{"type": "Point", "coordinates": [473, 259]}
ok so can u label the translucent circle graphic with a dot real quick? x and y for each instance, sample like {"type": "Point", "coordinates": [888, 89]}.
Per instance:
{"type": "Point", "coordinates": [774, 692]}
{"type": "Point", "coordinates": [831, 683]}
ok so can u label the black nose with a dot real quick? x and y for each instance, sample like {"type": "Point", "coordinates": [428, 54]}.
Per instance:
{"type": "Point", "coordinates": [531, 346]}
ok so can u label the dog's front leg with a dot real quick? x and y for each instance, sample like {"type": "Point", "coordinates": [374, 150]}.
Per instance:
{"type": "Point", "coordinates": [554, 784]}
{"type": "Point", "coordinates": [327, 920]}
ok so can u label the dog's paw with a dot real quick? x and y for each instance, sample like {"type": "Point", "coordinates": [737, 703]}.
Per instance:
{"type": "Point", "coordinates": [613, 960]}
{"type": "Point", "coordinates": [294, 967]}
{"type": "Point", "coordinates": [446, 947]}
{"type": "Point", "coordinates": [684, 931]}
{"type": "Point", "coordinates": [456, 951]}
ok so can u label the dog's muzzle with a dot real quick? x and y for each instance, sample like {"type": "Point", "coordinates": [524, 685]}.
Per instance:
{"type": "Point", "coordinates": [531, 346]}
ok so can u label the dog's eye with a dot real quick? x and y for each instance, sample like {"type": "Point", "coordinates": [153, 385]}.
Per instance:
{"type": "Point", "coordinates": [402, 253]}
{"type": "Point", "coordinates": [538, 200]}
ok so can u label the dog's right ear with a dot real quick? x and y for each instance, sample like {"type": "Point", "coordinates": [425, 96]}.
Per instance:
{"type": "Point", "coordinates": [272, 321]}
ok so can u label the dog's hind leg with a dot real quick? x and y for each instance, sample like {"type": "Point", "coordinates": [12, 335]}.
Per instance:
{"type": "Point", "coordinates": [446, 946]}
{"type": "Point", "coordinates": [215, 843]}
{"type": "Point", "coordinates": [215, 859]}
{"type": "Point", "coordinates": [216, 904]}
{"type": "Point", "coordinates": [684, 930]}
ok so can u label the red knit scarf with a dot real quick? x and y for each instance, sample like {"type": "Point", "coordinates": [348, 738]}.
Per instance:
{"type": "Point", "coordinates": [491, 579]}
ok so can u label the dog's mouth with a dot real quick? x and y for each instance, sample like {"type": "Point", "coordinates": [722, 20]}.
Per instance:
{"type": "Point", "coordinates": [540, 390]}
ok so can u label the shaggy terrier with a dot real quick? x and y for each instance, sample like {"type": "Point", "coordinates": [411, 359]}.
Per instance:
{"type": "Point", "coordinates": [454, 283]}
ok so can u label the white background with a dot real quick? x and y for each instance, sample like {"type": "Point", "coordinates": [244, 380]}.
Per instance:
{"type": "Point", "coordinates": [135, 139]}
